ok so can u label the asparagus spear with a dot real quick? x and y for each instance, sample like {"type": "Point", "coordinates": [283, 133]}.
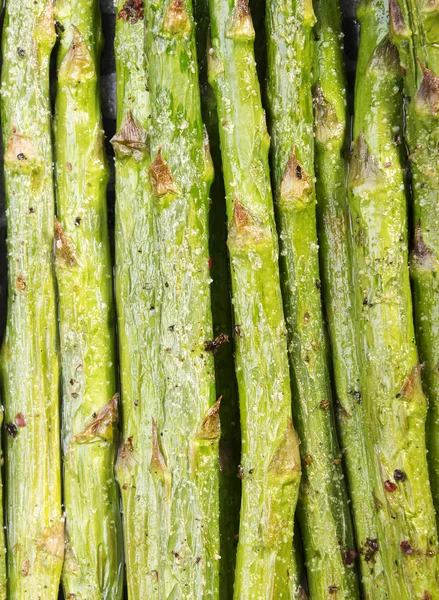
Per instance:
{"type": "Point", "coordinates": [323, 511]}
{"type": "Point", "coordinates": [93, 561]}
{"type": "Point", "coordinates": [186, 428]}
{"type": "Point", "coordinates": [3, 571]}
{"type": "Point", "coordinates": [415, 31]}
{"type": "Point", "coordinates": [138, 303]}
{"type": "Point", "coordinates": [270, 468]}
{"type": "Point", "coordinates": [393, 401]}
{"type": "Point", "coordinates": [338, 285]}
{"type": "Point", "coordinates": [29, 361]}
{"type": "Point", "coordinates": [230, 443]}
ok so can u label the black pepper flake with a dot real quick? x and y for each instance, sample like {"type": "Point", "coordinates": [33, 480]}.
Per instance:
{"type": "Point", "coordinates": [333, 589]}
{"type": "Point", "coordinates": [371, 546]}
{"type": "Point", "coordinates": [299, 172]}
{"type": "Point", "coordinates": [21, 156]}
{"type": "Point", "coordinates": [318, 284]}
{"type": "Point", "coordinates": [21, 52]}
{"type": "Point", "coordinates": [398, 475]}
{"type": "Point", "coordinates": [11, 429]}
{"type": "Point", "coordinates": [78, 221]}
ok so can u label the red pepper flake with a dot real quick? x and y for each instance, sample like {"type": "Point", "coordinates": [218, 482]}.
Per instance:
{"type": "Point", "coordinates": [405, 547]}
{"type": "Point", "coordinates": [132, 11]}
{"type": "Point", "coordinates": [210, 263]}
{"type": "Point", "coordinates": [349, 557]}
{"type": "Point", "coordinates": [390, 486]}
{"type": "Point", "coordinates": [69, 166]}
{"type": "Point", "coordinates": [20, 421]}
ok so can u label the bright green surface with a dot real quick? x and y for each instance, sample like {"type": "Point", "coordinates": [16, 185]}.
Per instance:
{"type": "Point", "coordinates": [93, 562]}
{"type": "Point", "coordinates": [29, 358]}
{"type": "Point", "coordinates": [225, 379]}
{"type": "Point", "coordinates": [185, 454]}
{"type": "Point", "coordinates": [415, 31]}
{"type": "Point", "coordinates": [323, 511]}
{"type": "Point", "coordinates": [394, 404]}
{"type": "Point", "coordinates": [338, 286]}
{"type": "Point", "coordinates": [138, 307]}
{"type": "Point", "coordinates": [270, 468]}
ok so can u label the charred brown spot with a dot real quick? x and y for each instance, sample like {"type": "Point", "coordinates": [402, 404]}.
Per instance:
{"type": "Point", "coordinates": [421, 251]}
{"type": "Point", "coordinates": [211, 427]}
{"type": "Point", "coordinates": [285, 462]}
{"type": "Point", "coordinates": [411, 383]}
{"type": "Point", "coordinates": [52, 540]}
{"type": "Point", "coordinates": [20, 421]}
{"type": "Point", "coordinates": [132, 11]}
{"type": "Point", "coordinates": [155, 574]}
{"type": "Point", "coordinates": [162, 180]}
{"type": "Point", "coordinates": [125, 456]}
{"type": "Point", "coordinates": [214, 345]}
{"type": "Point", "coordinates": [369, 549]}
{"type": "Point", "coordinates": [296, 184]}
{"type": "Point", "coordinates": [427, 596]}
{"type": "Point", "coordinates": [333, 589]}
{"type": "Point", "coordinates": [406, 547]}
{"type": "Point", "coordinates": [240, 215]}
{"type": "Point", "coordinates": [427, 96]}
{"type": "Point", "coordinates": [101, 426]}
{"type": "Point", "coordinates": [324, 404]}
{"type": "Point", "coordinates": [131, 139]}
{"type": "Point", "coordinates": [157, 464]}
{"type": "Point", "coordinates": [20, 151]}
{"type": "Point", "coordinates": [177, 19]}
{"type": "Point", "coordinates": [308, 460]}
{"type": "Point", "coordinates": [390, 486]}
{"type": "Point", "coordinates": [336, 461]}
{"type": "Point", "coordinates": [241, 24]}
{"type": "Point", "coordinates": [65, 251]}
{"type": "Point", "coordinates": [240, 472]}
{"type": "Point", "coordinates": [25, 565]}
{"type": "Point", "coordinates": [20, 284]}
{"type": "Point", "coordinates": [349, 557]}
{"type": "Point", "coordinates": [398, 26]}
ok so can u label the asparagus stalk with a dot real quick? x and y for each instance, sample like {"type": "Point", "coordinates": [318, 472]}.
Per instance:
{"type": "Point", "coordinates": [93, 561]}
{"type": "Point", "coordinates": [230, 443]}
{"type": "Point", "coordinates": [323, 510]}
{"type": "Point", "coordinates": [270, 466]}
{"type": "Point", "coordinates": [138, 303]}
{"type": "Point", "coordinates": [338, 285]}
{"type": "Point", "coordinates": [186, 427]}
{"type": "Point", "coordinates": [3, 571]}
{"type": "Point", "coordinates": [415, 31]}
{"type": "Point", "coordinates": [29, 361]}
{"type": "Point", "coordinates": [393, 401]}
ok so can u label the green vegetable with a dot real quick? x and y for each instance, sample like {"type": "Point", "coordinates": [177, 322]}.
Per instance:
{"type": "Point", "coordinates": [186, 426]}
{"type": "Point", "coordinates": [393, 402]}
{"type": "Point", "coordinates": [93, 560]}
{"type": "Point", "coordinates": [138, 304]}
{"type": "Point", "coordinates": [270, 466]}
{"type": "Point", "coordinates": [230, 443]}
{"type": "Point", "coordinates": [323, 511]}
{"type": "Point", "coordinates": [29, 361]}
{"type": "Point", "coordinates": [414, 29]}
{"type": "Point", "coordinates": [338, 285]}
